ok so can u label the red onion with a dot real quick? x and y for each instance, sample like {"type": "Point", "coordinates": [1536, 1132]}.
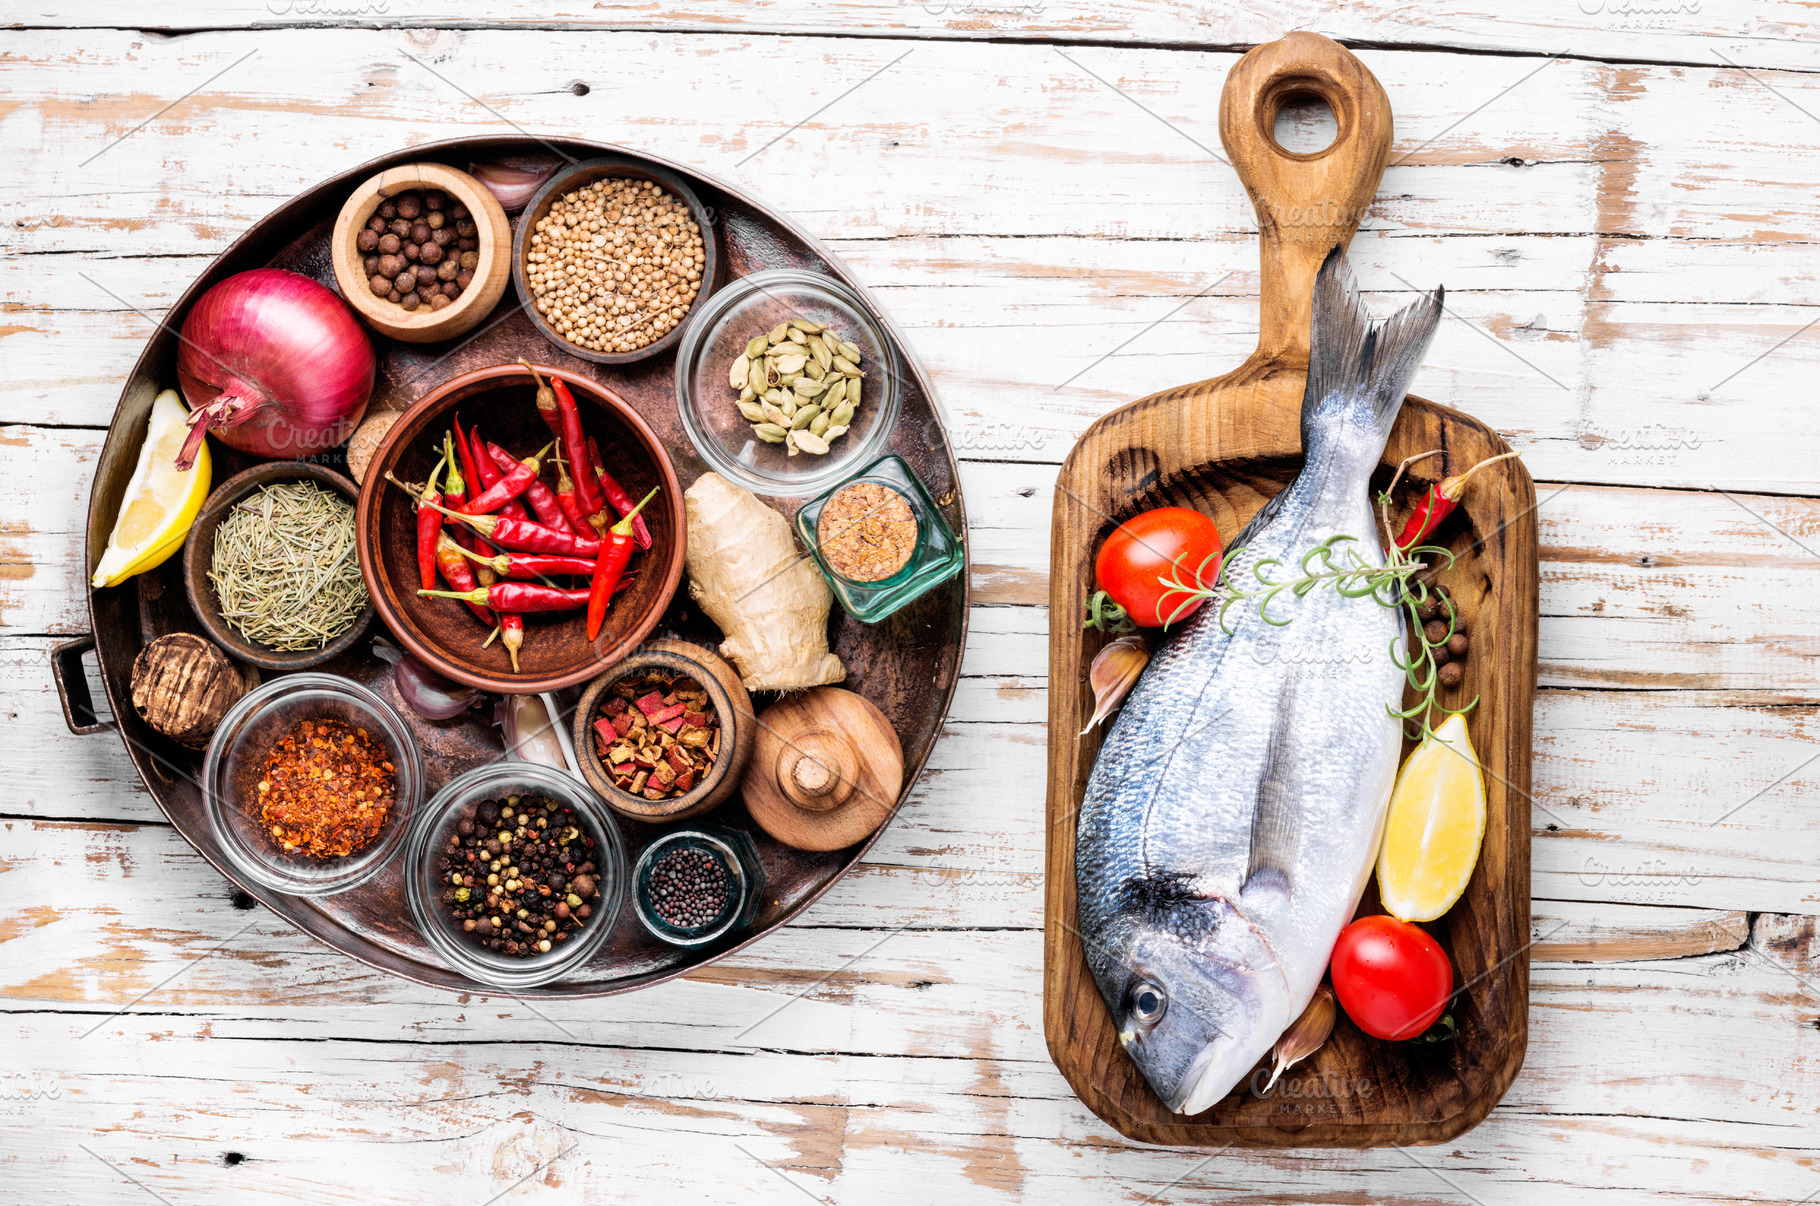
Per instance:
{"type": "Point", "coordinates": [274, 364]}
{"type": "Point", "coordinates": [424, 691]}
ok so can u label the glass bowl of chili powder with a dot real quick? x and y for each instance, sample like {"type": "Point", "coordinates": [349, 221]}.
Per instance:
{"type": "Point", "coordinates": [310, 783]}
{"type": "Point", "coordinates": [570, 835]}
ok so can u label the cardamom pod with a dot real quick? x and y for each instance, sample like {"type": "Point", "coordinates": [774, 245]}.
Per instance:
{"type": "Point", "coordinates": [813, 370]}
{"type": "Point", "coordinates": [790, 443]}
{"type": "Point", "coordinates": [777, 332]}
{"type": "Point", "coordinates": [790, 364]}
{"type": "Point", "coordinates": [810, 443]}
{"type": "Point", "coordinates": [831, 343]}
{"type": "Point", "coordinates": [770, 433]}
{"type": "Point", "coordinates": [753, 411]}
{"type": "Point", "coordinates": [835, 431]}
{"type": "Point", "coordinates": [847, 367]}
{"type": "Point", "coordinates": [755, 347]}
{"type": "Point", "coordinates": [795, 336]}
{"type": "Point", "coordinates": [804, 416]}
{"type": "Point", "coordinates": [819, 425]}
{"type": "Point", "coordinates": [742, 368]}
{"type": "Point", "coordinates": [843, 414]}
{"type": "Point", "coordinates": [775, 415]}
{"type": "Point", "coordinates": [837, 389]}
{"type": "Point", "coordinates": [853, 391]}
{"type": "Point", "coordinates": [808, 326]}
{"type": "Point", "coordinates": [746, 393]}
{"type": "Point", "coordinates": [819, 350]}
{"type": "Point", "coordinates": [788, 406]}
{"type": "Point", "coordinates": [755, 378]}
{"type": "Point", "coordinates": [850, 351]}
{"type": "Point", "coordinates": [807, 386]}
{"type": "Point", "coordinates": [775, 397]}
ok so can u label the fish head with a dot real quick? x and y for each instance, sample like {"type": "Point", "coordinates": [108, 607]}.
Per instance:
{"type": "Point", "coordinates": [1197, 996]}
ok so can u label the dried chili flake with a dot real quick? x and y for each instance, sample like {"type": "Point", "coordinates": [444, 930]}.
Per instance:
{"type": "Point", "coordinates": [326, 789]}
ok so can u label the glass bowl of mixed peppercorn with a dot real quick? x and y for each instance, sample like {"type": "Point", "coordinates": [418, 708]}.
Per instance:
{"type": "Point", "coordinates": [515, 873]}
{"type": "Point", "coordinates": [310, 783]}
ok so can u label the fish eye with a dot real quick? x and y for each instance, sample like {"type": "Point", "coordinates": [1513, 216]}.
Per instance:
{"type": "Point", "coordinates": [1148, 1004]}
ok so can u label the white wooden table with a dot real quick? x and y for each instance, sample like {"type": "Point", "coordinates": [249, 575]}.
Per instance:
{"type": "Point", "coordinates": [1628, 237]}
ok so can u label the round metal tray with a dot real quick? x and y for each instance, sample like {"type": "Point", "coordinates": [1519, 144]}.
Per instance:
{"type": "Point", "coordinates": [907, 665]}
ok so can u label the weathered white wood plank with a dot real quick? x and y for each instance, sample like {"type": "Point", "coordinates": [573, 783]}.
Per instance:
{"type": "Point", "coordinates": [1594, 349]}
{"type": "Point", "coordinates": [1777, 34]}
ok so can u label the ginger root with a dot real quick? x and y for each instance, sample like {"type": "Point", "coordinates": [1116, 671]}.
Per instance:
{"type": "Point", "coordinates": [769, 600]}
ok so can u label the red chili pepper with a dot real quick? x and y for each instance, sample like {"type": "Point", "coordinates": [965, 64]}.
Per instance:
{"type": "Point", "coordinates": [429, 526]}
{"type": "Point", "coordinates": [616, 494]}
{"type": "Point", "coordinates": [510, 485]}
{"type": "Point", "coordinates": [454, 566]}
{"type": "Point", "coordinates": [611, 566]}
{"type": "Point", "coordinates": [587, 492]}
{"type": "Point", "coordinates": [547, 408]}
{"type": "Point", "coordinates": [518, 597]}
{"type": "Point", "coordinates": [541, 497]}
{"type": "Point", "coordinates": [488, 474]}
{"type": "Point", "coordinates": [535, 567]}
{"type": "Point", "coordinates": [525, 536]}
{"type": "Point", "coordinates": [1438, 502]}
{"type": "Point", "coordinates": [565, 495]}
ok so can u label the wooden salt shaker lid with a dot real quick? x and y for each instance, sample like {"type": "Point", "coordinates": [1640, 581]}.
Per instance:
{"type": "Point", "coordinates": [825, 770]}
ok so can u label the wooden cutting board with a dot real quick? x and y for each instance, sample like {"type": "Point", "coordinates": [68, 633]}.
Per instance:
{"type": "Point", "coordinates": [1224, 447]}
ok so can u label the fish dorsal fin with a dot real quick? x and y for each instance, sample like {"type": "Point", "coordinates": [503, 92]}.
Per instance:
{"type": "Point", "coordinates": [1275, 831]}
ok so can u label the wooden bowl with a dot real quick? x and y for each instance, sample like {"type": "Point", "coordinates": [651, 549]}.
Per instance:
{"type": "Point", "coordinates": [498, 401]}
{"type": "Point", "coordinates": [732, 703]}
{"type": "Point", "coordinates": [423, 325]}
{"type": "Point", "coordinates": [199, 551]}
{"type": "Point", "coordinates": [587, 172]}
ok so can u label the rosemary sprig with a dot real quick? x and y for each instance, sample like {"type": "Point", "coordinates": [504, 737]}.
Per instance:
{"type": "Point", "coordinates": [1395, 583]}
{"type": "Point", "coordinates": [1102, 613]}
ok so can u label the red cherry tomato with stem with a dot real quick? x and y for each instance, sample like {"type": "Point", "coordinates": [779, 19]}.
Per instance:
{"type": "Point", "coordinates": [1146, 550]}
{"type": "Point", "coordinates": [1392, 979]}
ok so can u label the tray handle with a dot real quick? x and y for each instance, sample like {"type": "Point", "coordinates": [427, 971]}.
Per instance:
{"type": "Point", "coordinates": [1306, 203]}
{"type": "Point", "coordinates": [72, 687]}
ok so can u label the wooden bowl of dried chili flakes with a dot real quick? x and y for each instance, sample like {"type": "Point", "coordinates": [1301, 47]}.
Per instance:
{"type": "Point", "coordinates": [664, 735]}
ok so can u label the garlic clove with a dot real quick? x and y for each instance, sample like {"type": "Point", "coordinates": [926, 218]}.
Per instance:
{"type": "Point", "coordinates": [1114, 672]}
{"type": "Point", "coordinates": [1306, 1037]}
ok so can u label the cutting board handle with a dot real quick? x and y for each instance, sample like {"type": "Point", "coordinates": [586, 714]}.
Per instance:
{"type": "Point", "coordinates": [1305, 203]}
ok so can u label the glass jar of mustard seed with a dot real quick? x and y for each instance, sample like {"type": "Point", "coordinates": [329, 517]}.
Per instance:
{"type": "Point", "coordinates": [693, 886]}
{"type": "Point", "coordinates": [880, 540]}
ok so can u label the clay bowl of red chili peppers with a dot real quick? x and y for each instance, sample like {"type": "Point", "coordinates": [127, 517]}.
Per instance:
{"type": "Point", "coordinates": [520, 529]}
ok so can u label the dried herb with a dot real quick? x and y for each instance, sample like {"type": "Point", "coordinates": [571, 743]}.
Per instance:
{"type": "Point", "coordinates": [285, 571]}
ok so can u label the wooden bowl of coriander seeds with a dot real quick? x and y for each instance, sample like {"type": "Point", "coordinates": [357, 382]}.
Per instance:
{"type": "Point", "coordinates": [285, 591]}
{"type": "Point", "coordinates": [612, 256]}
{"type": "Point", "coordinates": [421, 252]}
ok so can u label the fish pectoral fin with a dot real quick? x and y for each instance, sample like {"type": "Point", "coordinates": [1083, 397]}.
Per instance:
{"type": "Point", "coordinates": [1276, 831]}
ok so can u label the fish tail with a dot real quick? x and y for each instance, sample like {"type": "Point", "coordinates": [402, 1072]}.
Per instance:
{"type": "Point", "coordinates": [1352, 357]}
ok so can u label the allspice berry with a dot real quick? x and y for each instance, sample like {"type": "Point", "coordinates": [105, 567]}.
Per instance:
{"type": "Point", "coordinates": [183, 686]}
{"type": "Point", "coordinates": [1451, 674]}
{"type": "Point", "coordinates": [1456, 644]}
{"type": "Point", "coordinates": [1435, 631]}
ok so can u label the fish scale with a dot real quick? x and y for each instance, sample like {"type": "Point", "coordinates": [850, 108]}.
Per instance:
{"type": "Point", "coordinates": [1231, 820]}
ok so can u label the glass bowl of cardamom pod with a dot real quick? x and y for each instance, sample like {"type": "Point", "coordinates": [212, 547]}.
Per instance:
{"type": "Point", "coordinates": [786, 383]}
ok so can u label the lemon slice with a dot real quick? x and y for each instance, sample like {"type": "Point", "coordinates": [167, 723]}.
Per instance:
{"type": "Point", "coordinates": [1436, 824]}
{"type": "Point", "coordinates": [161, 501]}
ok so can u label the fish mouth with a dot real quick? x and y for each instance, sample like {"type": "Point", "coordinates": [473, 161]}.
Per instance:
{"type": "Point", "coordinates": [1211, 1075]}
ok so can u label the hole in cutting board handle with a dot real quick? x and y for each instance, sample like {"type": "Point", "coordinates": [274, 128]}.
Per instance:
{"type": "Point", "coordinates": [1304, 124]}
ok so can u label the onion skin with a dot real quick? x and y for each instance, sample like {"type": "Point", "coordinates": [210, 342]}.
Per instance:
{"type": "Point", "coordinates": [275, 365]}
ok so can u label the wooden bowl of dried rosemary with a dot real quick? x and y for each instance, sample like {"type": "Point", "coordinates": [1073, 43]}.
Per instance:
{"type": "Point", "coordinates": [272, 568]}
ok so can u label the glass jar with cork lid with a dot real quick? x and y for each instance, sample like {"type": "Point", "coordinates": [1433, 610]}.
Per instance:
{"type": "Point", "coordinates": [880, 539]}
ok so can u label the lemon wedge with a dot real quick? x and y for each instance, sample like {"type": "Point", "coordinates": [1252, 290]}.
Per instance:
{"type": "Point", "coordinates": [161, 501]}
{"type": "Point", "coordinates": [1435, 827]}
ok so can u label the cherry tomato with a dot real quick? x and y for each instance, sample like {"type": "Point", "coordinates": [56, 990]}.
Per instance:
{"type": "Point", "coordinates": [1169, 542]}
{"type": "Point", "coordinates": [1392, 979]}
